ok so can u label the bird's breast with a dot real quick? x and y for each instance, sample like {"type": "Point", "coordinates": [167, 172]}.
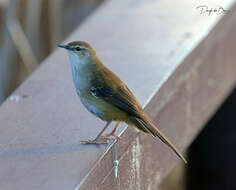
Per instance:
{"type": "Point", "coordinates": [91, 106]}
{"type": "Point", "coordinates": [102, 109]}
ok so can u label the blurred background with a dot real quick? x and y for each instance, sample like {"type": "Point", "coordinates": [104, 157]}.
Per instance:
{"type": "Point", "coordinates": [30, 30]}
{"type": "Point", "coordinates": [212, 155]}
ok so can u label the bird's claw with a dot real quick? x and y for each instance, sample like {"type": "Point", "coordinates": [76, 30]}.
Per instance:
{"type": "Point", "coordinates": [101, 140]}
{"type": "Point", "coordinates": [112, 135]}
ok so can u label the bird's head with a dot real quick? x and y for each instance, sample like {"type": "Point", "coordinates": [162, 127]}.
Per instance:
{"type": "Point", "coordinates": [79, 51]}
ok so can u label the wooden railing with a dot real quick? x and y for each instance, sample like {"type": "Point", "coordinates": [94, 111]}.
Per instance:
{"type": "Point", "coordinates": [178, 62]}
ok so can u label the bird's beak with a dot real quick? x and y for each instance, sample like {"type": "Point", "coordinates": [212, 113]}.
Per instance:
{"type": "Point", "coordinates": [64, 46]}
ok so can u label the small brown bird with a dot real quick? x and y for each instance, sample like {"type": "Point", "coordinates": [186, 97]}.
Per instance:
{"type": "Point", "coordinates": [106, 96]}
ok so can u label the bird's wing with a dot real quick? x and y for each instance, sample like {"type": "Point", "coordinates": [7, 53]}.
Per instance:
{"type": "Point", "coordinates": [120, 97]}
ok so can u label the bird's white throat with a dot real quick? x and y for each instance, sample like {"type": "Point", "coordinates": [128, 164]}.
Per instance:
{"type": "Point", "coordinates": [78, 74]}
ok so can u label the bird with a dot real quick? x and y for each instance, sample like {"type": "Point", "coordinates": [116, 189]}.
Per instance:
{"type": "Point", "coordinates": [104, 94]}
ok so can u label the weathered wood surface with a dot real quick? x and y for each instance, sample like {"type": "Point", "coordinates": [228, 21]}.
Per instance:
{"type": "Point", "coordinates": [178, 68]}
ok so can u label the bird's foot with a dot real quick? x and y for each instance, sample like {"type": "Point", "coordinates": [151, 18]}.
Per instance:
{"type": "Point", "coordinates": [101, 140]}
{"type": "Point", "coordinates": [112, 135]}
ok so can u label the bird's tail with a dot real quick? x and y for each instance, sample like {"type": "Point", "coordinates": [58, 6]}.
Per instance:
{"type": "Point", "coordinates": [150, 128]}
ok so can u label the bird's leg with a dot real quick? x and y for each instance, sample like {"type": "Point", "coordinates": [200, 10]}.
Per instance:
{"type": "Point", "coordinates": [113, 132]}
{"type": "Point", "coordinates": [99, 139]}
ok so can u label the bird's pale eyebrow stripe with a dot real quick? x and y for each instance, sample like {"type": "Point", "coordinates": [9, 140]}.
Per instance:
{"type": "Point", "coordinates": [78, 46]}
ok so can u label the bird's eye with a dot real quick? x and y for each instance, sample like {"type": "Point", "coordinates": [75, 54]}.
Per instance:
{"type": "Point", "coordinates": [77, 48]}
